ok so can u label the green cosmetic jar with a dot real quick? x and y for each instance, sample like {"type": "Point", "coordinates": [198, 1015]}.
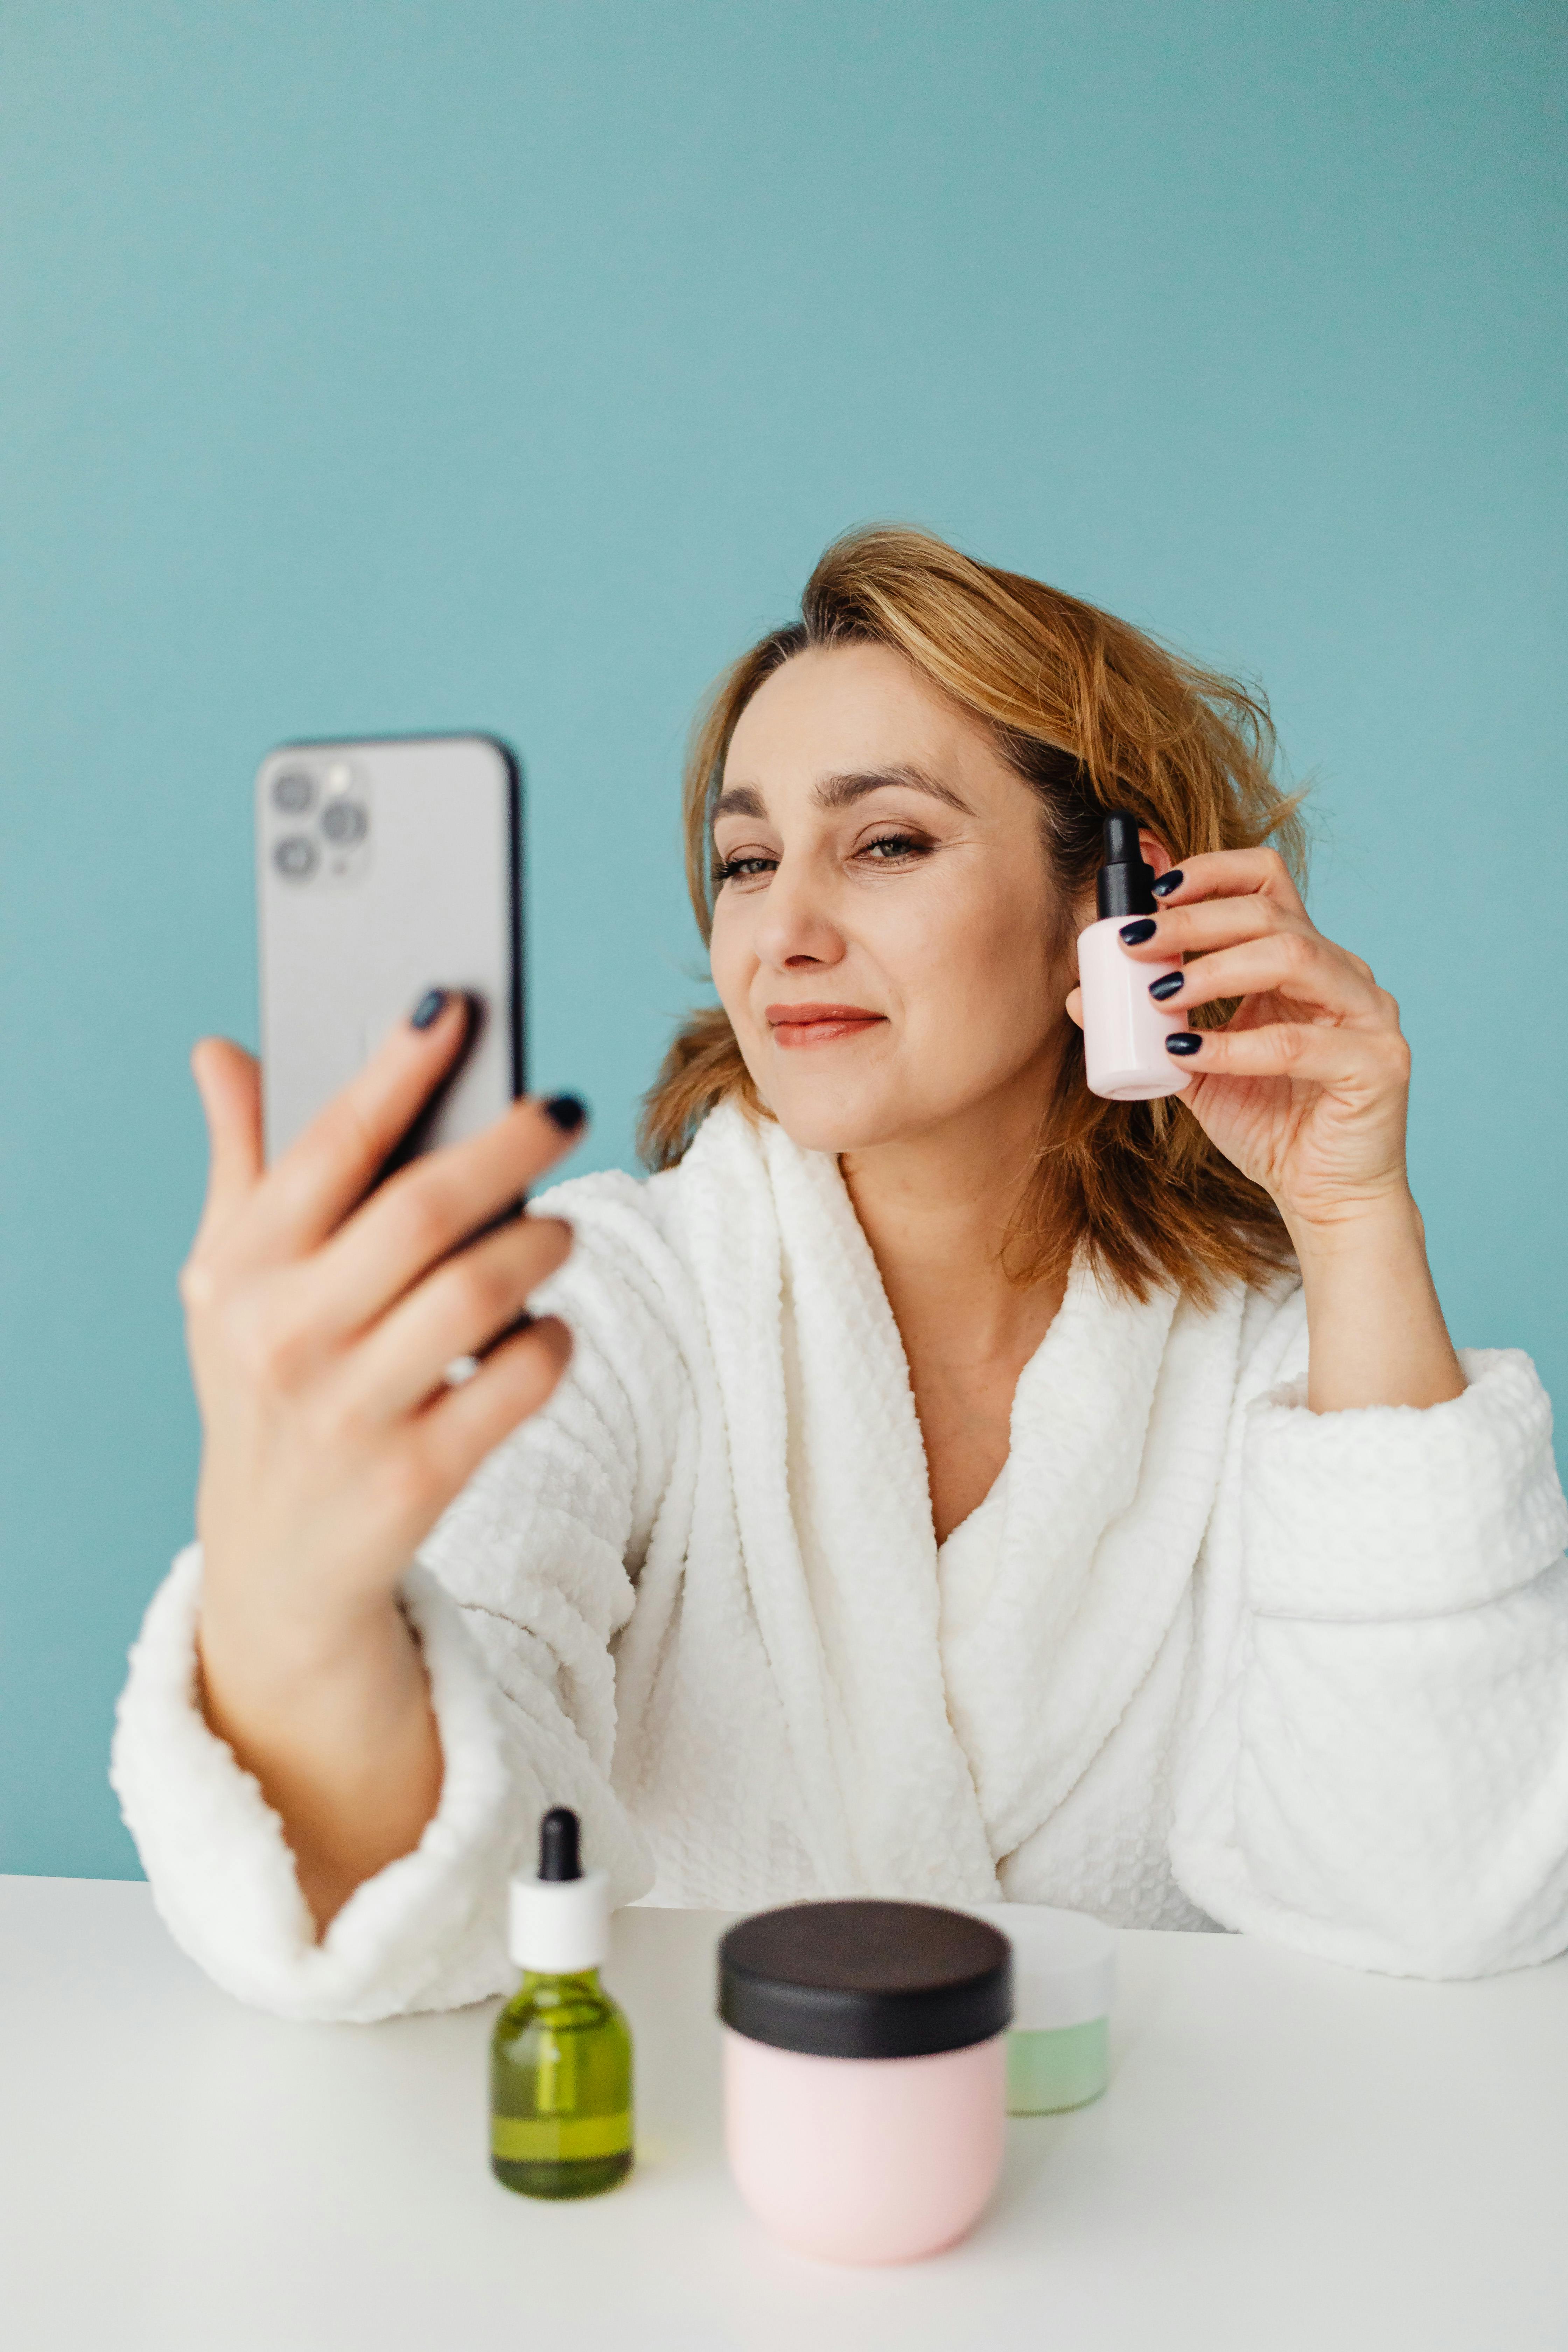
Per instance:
{"type": "Point", "coordinates": [1064, 1981]}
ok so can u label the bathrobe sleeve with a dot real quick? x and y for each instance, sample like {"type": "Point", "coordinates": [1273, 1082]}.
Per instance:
{"type": "Point", "coordinates": [1378, 1767]}
{"type": "Point", "coordinates": [516, 1600]}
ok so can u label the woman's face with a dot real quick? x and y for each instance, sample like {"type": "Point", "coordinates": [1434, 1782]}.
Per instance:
{"type": "Point", "coordinates": [883, 935]}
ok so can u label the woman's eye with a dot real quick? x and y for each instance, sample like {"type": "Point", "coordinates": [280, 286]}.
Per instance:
{"type": "Point", "coordinates": [753, 866]}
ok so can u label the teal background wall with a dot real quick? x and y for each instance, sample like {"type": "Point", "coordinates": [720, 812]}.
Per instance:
{"type": "Point", "coordinates": [485, 362]}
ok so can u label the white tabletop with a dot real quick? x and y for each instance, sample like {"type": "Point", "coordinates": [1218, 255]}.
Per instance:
{"type": "Point", "coordinates": [1290, 2156]}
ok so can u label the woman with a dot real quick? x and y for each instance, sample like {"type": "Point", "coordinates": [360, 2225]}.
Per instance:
{"type": "Point", "coordinates": [951, 1482]}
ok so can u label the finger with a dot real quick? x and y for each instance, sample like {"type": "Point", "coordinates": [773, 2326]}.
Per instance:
{"type": "Point", "coordinates": [1231, 874]}
{"type": "Point", "coordinates": [228, 1081]}
{"type": "Point", "coordinates": [454, 1312]}
{"type": "Point", "coordinates": [1075, 1006]}
{"type": "Point", "coordinates": [1317, 1052]}
{"type": "Point", "coordinates": [1299, 964]}
{"type": "Point", "coordinates": [1211, 923]}
{"type": "Point", "coordinates": [429, 1209]}
{"type": "Point", "coordinates": [460, 1426]}
{"type": "Point", "coordinates": [310, 1188]}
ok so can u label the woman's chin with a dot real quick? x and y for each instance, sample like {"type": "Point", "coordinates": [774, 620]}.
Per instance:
{"type": "Point", "coordinates": [824, 1102]}
{"type": "Point", "coordinates": [838, 1126]}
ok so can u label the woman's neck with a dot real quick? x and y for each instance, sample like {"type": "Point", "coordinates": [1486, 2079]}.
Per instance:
{"type": "Point", "coordinates": [936, 1209]}
{"type": "Point", "coordinates": [936, 1212]}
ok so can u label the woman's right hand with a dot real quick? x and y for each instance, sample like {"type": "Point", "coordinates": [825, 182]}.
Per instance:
{"type": "Point", "coordinates": [321, 1323]}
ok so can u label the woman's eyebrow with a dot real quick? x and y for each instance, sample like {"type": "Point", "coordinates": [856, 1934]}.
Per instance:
{"type": "Point", "coordinates": [840, 792]}
{"type": "Point", "coordinates": [740, 800]}
{"type": "Point", "coordinates": [843, 791]}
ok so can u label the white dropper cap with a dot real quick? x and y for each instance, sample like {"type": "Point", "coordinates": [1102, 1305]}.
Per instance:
{"type": "Point", "coordinates": [560, 1920]}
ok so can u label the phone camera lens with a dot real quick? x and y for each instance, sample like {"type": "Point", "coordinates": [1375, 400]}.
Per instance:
{"type": "Point", "coordinates": [344, 822]}
{"type": "Point", "coordinates": [295, 857]}
{"type": "Point", "coordinates": [294, 791]}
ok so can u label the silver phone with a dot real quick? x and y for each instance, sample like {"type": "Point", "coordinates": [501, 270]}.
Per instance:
{"type": "Point", "coordinates": [383, 869]}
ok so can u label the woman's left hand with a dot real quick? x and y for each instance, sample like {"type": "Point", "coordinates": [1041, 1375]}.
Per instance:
{"type": "Point", "coordinates": [1305, 1089]}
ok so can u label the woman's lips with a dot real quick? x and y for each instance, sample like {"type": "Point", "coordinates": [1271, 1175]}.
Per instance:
{"type": "Point", "coordinates": [795, 1025]}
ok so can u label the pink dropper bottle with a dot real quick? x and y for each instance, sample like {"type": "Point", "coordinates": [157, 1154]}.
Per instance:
{"type": "Point", "coordinates": [1124, 1029]}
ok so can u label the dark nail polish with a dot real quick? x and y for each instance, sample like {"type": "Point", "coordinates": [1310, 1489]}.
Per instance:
{"type": "Point", "coordinates": [1132, 935]}
{"type": "Point", "coordinates": [1185, 1042]}
{"type": "Point", "coordinates": [567, 1112]}
{"type": "Point", "coordinates": [1169, 984]}
{"type": "Point", "coordinates": [429, 1009]}
{"type": "Point", "coordinates": [1168, 882]}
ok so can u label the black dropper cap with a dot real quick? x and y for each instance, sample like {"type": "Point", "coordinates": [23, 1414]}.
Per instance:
{"type": "Point", "coordinates": [1125, 885]}
{"type": "Point", "coordinates": [558, 1846]}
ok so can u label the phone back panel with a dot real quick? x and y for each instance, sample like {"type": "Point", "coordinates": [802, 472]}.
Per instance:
{"type": "Point", "coordinates": [383, 869]}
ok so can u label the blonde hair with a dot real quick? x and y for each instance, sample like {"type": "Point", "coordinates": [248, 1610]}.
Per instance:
{"type": "Point", "coordinates": [1093, 714]}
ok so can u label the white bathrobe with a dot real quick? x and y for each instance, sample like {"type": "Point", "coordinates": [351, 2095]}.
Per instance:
{"type": "Point", "coordinates": [1200, 1658]}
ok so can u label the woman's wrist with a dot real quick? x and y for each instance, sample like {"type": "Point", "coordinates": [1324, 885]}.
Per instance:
{"type": "Point", "coordinates": [1357, 1227]}
{"type": "Point", "coordinates": [280, 1647]}
{"type": "Point", "coordinates": [1375, 1330]}
{"type": "Point", "coordinates": [335, 1721]}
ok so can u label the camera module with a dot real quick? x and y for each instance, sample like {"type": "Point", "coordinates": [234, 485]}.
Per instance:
{"type": "Point", "coordinates": [294, 792]}
{"type": "Point", "coordinates": [344, 822]}
{"type": "Point", "coordinates": [295, 857]}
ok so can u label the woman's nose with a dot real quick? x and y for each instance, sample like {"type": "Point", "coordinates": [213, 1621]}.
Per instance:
{"type": "Point", "coordinates": [795, 925]}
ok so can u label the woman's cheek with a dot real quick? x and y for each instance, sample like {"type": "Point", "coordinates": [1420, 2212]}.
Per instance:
{"type": "Point", "coordinates": [951, 949]}
{"type": "Point", "coordinates": [998, 989]}
{"type": "Point", "coordinates": [726, 962]}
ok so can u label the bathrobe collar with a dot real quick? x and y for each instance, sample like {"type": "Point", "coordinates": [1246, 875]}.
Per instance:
{"type": "Point", "coordinates": [907, 1783]}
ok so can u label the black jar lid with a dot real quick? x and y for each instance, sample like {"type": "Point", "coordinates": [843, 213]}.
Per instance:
{"type": "Point", "coordinates": [866, 1979]}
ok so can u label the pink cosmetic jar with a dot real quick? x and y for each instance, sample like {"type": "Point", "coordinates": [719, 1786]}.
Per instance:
{"type": "Point", "coordinates": [865, 2074]}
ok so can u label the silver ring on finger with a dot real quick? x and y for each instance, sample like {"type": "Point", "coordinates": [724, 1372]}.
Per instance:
{"type": "Point", "coordinates": [462, 1368]}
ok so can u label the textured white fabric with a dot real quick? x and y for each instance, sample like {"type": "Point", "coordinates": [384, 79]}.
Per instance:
{"type": "Point", "coordinates": [1201, 1657]}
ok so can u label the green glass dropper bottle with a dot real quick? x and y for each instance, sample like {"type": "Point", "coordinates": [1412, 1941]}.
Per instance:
{"type": "Point", "coordinates": [561, 2056]}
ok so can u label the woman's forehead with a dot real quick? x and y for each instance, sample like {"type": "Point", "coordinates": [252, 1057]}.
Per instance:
{"type": "Point", "coordinates": [832, 717]}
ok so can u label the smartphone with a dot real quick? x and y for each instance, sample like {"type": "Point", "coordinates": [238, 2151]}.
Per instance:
{"type": "Point", "coordinates": [383, 869]}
